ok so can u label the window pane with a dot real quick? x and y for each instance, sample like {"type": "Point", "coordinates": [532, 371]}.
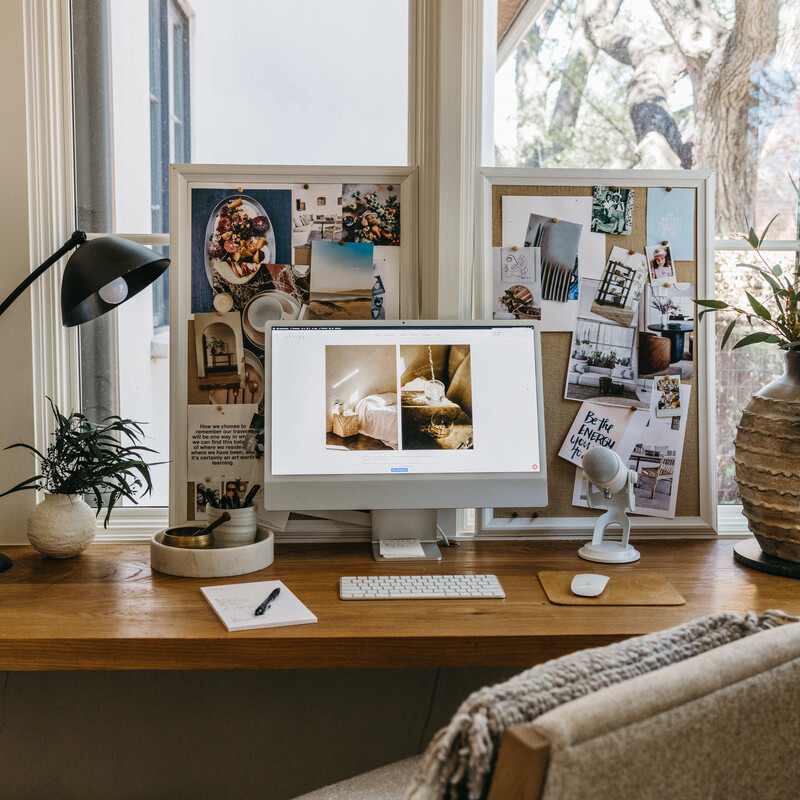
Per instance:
{"type": "Point", "coordinates": [271, 82]}
{"type": "Point", "coordinates": [125, 371]}
{"type": "Point", "coordinates": [584, 89]}
{"type": "Point", "coordinates": [742, 372]}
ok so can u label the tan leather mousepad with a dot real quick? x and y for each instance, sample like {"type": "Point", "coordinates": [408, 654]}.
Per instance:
{"type": "Point", "coordinates": [634, 588]}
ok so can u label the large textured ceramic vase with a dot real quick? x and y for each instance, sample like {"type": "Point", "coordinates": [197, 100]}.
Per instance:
{"type": "Point", "coordinates": [61, 526]}
{"type": "Point", "coordinates": [767, 458]}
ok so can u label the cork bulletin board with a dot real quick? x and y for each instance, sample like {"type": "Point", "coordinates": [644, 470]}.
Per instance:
{"type": "Point", "coordinates": [696, 504]}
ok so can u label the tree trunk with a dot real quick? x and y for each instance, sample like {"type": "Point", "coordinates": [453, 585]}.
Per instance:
{"type": "Point", "coordinates": [532, 83]}
{"type": "Point", "coordinates": [573, 84]}
{"type": "Point", "coordinates": [657, 65]}
{"type": "Point", "coordinates": [720, 62]}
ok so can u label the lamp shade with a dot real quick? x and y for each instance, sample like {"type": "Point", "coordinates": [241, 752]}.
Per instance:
{"type": "Point", "coordinates": [100, 262]}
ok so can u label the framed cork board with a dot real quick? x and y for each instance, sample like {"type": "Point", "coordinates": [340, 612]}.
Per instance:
{"type": "Point", "coordinates": [511, 195]}
{"type": "Point", "coordinates": [246, 243]}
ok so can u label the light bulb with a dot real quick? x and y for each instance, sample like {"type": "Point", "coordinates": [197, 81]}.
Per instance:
{"type": "Point", "coordinates": [114, 292]}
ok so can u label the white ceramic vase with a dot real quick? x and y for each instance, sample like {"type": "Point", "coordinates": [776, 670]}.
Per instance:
{"type": "Point", "coordinates": [61, 526]}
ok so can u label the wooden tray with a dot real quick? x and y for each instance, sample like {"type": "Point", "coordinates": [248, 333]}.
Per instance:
{"type": "Point", "coordinates": [634, 588]}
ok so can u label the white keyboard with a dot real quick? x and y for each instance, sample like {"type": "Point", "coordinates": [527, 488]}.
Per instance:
{"type": "Point", "coordinates": [417, 587]}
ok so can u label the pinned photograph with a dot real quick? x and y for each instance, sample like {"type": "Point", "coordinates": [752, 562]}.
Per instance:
{"type": "Point", "coordinates": [386, 286]}
{"type": "Point", "coordinates": [361, 410]}
{"type": "Point", "coordinates": [659, 260]}
{"type": "Point", "coordinates": [602, 364]}
{"type": "Point", "coordinates": [656, 458]}
{"type": "Point", "coordinates": [371, 213]}
{"type": "Point", "coordinates": [326, 221]}
{"type": "Point", "coordinates": [558, 241]}
{"type": "Point", "coordinates": [219, 350]}
{"type": "Point", "coordinates": [668, 396]}
{"type": "Point", "coordinates": [671, 218]}
{"type": "Point", "coordinates": [517, 283]}
{"type": "Point", "coordinates": [251, 391]}
{"type": "Point", "coordinates": [341, 280]}
{"type": "Point", "coordinates": [621, 286]}
{"type": "Point", "coordinates": [516, 212]}
{"type": "Point", "coordinates": [612, 210]}
{"type": "Point", "coordinates": [254, 440]}
{"type": "Point", "coordinates": [232, 235]}
{"type": "Point", "coordinates": [436, 397]}
{"type": "Point", "coordinates": [206, 493]}
{"type": "Point", "coordinates": [666, 331]}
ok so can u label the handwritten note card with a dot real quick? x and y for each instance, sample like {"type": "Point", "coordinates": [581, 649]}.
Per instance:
{"type": "Point", "coordinates": [235, 605]}
{"type": "Point", "coordinates": [595, 425]}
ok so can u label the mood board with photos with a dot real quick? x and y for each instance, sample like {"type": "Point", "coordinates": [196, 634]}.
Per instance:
{"type": "Point", "coordinates": [610, 264]}
{"type": "Point", "coordinates": [250, 245]}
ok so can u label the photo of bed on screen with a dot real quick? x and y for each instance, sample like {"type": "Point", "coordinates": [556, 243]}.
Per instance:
{"type": "Point", "coordinates": [436, 397]}
{"type": "Point", "coordinates": [361, 397]}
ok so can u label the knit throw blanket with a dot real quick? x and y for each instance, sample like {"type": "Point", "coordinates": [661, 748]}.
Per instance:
{"type": "Point", "coordinates": [458, 762]}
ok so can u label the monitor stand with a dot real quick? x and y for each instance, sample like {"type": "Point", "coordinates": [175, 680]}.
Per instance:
{"type": "Point", "coordinates": [418, 524]}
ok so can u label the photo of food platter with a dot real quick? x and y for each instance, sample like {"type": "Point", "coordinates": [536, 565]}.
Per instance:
{"type": "Point", "coordinates": [239, 238]}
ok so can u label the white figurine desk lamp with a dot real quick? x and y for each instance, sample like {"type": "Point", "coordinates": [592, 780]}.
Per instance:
{"type": "Point", "coordinates": [609, 485]}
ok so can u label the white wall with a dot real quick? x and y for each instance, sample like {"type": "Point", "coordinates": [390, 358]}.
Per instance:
{"type": "Point", "coordinates": [16, 419]}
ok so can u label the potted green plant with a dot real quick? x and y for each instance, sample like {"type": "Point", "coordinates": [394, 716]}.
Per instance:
{"type": "Point", "coordinates": [105, 460]}
{"type": "Point", "coordinates": [767, 443]}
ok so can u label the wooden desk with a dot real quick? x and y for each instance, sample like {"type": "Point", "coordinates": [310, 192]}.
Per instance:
{"type": "Point", "coordinates": [106, 610]}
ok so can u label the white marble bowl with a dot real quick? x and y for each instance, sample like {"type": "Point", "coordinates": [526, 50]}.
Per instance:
{"type": "Point", "coordinates": [213, 562]}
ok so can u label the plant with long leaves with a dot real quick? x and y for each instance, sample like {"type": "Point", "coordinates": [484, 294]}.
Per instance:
{"type": "Point", "coordinates": [104, 459]}
{"type": "Point", "coordinates": [782, 327]}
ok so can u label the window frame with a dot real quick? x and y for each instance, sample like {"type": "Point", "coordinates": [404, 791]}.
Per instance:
{"type": "Point", "coordinates": [448, 69]}
{"type": "Point", "coordinates": [451, 78]}
{"type": "Point", "coordinates": [706, 523]}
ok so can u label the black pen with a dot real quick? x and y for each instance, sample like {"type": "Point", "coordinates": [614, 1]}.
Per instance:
{"type": "Point", "coordinates": [268, 602]}
{"type": "Point", "coordinates": [250, 495]}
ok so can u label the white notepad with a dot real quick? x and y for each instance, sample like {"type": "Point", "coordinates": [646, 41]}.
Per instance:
{"type": "Point", "coordinates": [235, 605]}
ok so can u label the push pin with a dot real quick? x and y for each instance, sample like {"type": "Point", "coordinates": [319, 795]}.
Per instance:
{"type": "Point", "coordinates": [631, 252]}
{"type": "Point", "coordinates": [305, 186]}
{"type": "Point", "coordinates": [239, 189]}
{"type": "Point", "coordinates": [389, 188]}
{"type": "Point", "coordinates": [341, 243]}
{"type": "Point", "coordinates": [665, 243]}
{"type": "Point", "coordinates": [613, 188]}
{"type": "Point", "coordinates": [208, 479]}
{"type": "Point", "coordinates": [669, 188]}
{"type": "Point", "coordinates": [555, 219]}
{"type": "Point", "coordinates": [515, 248]}
{"type": "Point", "coordinates": [219, 408]}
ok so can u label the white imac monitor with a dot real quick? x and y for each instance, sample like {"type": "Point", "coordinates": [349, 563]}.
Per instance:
{"type": "Point", "coordinates": [403, 419]}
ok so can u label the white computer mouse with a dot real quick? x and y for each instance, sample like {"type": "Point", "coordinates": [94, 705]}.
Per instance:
{"type": "Point", "coordinates": [587, 584]}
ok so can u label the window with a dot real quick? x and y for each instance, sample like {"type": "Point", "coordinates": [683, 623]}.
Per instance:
{"type": "Point", "coordinates": [159, 82]}
{"type": "Point", "coordinates": [637, 84]}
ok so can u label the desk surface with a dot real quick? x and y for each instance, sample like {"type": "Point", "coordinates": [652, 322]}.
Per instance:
{"type": "Point", "coordinates": [105, 609]}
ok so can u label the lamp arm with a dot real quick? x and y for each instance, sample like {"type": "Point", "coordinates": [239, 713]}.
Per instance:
{"type": "Point", "coordinates": [77, 238]}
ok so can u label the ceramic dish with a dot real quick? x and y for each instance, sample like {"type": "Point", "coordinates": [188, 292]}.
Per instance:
{"type": "Point", "coordinates": [253, 209]}
{"type": "Point", "coordinates": [212, 563]}
{"type": "Point", "coordinates": [262, 308]}
{"type": "Point", "coordinates": [253, 372]}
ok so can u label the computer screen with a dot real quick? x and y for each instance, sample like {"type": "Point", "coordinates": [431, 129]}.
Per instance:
{"type": "Point", "coordinates": [403, 415]}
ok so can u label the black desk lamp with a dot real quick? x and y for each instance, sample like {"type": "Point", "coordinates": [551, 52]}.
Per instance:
{"type": "Point", "coordinates": [99, 275]}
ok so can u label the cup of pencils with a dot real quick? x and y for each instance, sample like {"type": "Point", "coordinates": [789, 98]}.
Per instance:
{"type": "Point", "coordinates": [240, 529]}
